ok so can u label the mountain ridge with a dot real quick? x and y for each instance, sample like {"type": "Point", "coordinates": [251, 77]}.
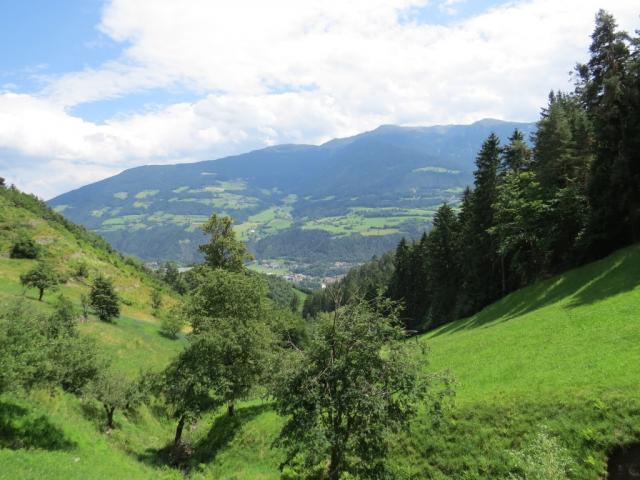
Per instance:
{"type": "Point", "coordinates": [345, 200]}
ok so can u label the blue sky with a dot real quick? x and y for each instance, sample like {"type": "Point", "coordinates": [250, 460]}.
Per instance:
{"type": "Point", "coordinates": [41, 37]}
{"type": "Point", "coordinates": [89, 88]}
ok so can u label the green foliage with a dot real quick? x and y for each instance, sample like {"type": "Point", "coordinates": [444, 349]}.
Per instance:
{"type": "Point", "coordinates": [520, 220]}
{"type": "Point", "coordinates": [185, 386]}
{"type": "Point", "coordinates": [115, 391]}
{"type": "Point", "coordinates": [104, 299]}
{"type": "Point", "coordinates": [42, 276]}
{"type": "Point", "coordinates": [354, 383]}
{"type": "Point", "coordinates": [37, 350]}
{"type": "Point", "coordinates": [542, 459]}
{"type": "Point", "coordinates": [156, 300]}
{"type": "Point", "coordinates": [220, 294]}
{"type": "Point", "coordinates": [229, 317]}
{"type": "Point", "coordinates": [223, 249]}
{"type": "Point", "coordinates": [608, 89]}
{"type": "Point", "coordinates": [294, 305]}
{"type": "Point", "coordinates": [363, 281]}
{"type": "Point", "coordinates": [25, 248]}
{"type": "Point", "coordinates": [171, 323]}
{"type": "Point", "coordinates": [172, 276]}
{"type": "Point", "coordinates": [23, 347]}
{"type": "Point", "coordinates": [81, 270]}
{"type": "Point", "coordinates": [63, 320]}
{"type": "Point", "coordinates": [85, 306]}
{"type": "Point", "coordinates": [279, 290]}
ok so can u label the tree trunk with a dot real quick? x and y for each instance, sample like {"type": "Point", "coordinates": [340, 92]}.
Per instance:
{"type": "Point", "coordinates": [504, 281]}
{"type": "Point", "coordinates": [41, 294]}
{"type": "Point", "coordinates": [109, 411]}
{"type": "Point", "coordinates": [335, 466]}
{"type": "Point", "coordinates": [231, 409]}
{"type": "Point", "coordinates": [178, 437]}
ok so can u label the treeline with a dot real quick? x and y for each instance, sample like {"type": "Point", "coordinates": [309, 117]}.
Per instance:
{"type": "Point", "coordinates": [315, 246]}
{"type": "Point", "coordinates": [364, 281]}
{"type": "Point", "coordinates": [572, 197]}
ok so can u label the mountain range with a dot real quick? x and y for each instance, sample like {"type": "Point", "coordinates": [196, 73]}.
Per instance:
{"type": "Point", "coordinates": [309, 209]}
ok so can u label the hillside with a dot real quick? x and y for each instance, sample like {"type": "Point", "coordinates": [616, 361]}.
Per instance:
{"type": "Point", "coordinates": [67, 246]}
{"type": "Point", "coordinates": [561, 353]}
{"type": "Point", "coordinates": [342, 201]}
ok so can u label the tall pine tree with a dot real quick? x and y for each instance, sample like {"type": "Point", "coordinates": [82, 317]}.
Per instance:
{"type": "Point", "coordinates": [482, 274]}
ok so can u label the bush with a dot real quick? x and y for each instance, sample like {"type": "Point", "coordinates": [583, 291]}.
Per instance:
{"type": "Point", "coordinates": [81, 270]}
{"type": "Point", "coordinates": [171, 324]}
{"type": "Point", "coordinates": [542, 459]}
{"type": "Point", "coordinates": [156, 301]}
{"type": "Point", "coordinates": [25, 248]}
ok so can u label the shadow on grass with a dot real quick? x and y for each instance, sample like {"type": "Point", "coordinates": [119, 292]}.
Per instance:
{"type": "Point", "coordinates": [621, 278]}
{"type": "Point", "coordinates": [20, 428]}
{"type": "Point", "coordinates": [223, 431]}
{"type": "Point", "coordinates": [221, 434]}
{"type": "Point", "coordinates": [584, 286]}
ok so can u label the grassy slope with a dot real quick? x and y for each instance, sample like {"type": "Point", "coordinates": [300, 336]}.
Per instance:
{"type": "Point", "coordinates": [563, 352]}
{"type": "Point", "coordinates": [560, 353]}
{"type": "Point", "coordinates": [61, 434]}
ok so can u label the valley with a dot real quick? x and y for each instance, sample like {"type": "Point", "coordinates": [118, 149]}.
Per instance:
{"type": "Point", "coordinates": [307, 210]}
{"type": "Point", "coordinates": [456, 301]}
{"type": "Point", "coordinates": [559, 343]}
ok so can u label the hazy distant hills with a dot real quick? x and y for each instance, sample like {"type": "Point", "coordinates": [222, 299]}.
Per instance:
{"type": "Point", "coordinates": [344, 200]}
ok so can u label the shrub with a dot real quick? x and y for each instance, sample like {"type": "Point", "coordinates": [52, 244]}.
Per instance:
{"type": "Point", "coordinates": [171, 324]}
{"type": "Point", "coordinates": [25, 248]}
{"type": "Point", "coordinates": [156, 300]}
{"type": "Point", "coordinates": [81, 270]}
{"type": "Point", "coordinates": [542, 459]}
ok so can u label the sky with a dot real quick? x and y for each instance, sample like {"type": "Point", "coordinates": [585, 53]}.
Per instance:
{"type": "Point", "coordinates": [89, 88]}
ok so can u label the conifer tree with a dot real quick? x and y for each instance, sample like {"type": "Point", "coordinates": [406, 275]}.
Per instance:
{"type": "Point", "coordinates": [443, 266]}
{"type": "Point", "coordinates": [482, 274]}
{"type": "Point", "coordinates": [516, 155]}
{"type": "Point", "coordinates": [602, 89]}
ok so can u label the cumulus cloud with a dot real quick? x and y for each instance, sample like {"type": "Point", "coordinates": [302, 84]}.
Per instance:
{"type": "Point", "coordinates": [291, 71]}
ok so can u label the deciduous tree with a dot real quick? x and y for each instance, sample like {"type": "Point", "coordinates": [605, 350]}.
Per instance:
{"type": "Point", "coordinates": [104, 299]}
{"type": "Point", "coordinates": [223, 249]}
{"type": "Point", "coordinates": [356, 382]}
{"type": "Point", "coordinates": [42, 277]}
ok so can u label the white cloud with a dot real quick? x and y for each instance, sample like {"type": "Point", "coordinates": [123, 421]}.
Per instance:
{"type": "Point", "coordinates": [293, 71]}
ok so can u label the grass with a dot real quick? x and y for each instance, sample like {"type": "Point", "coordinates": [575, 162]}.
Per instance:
{"type": "Point", "coordinates": [361, 221]}
{"type": "Point", "coordinates": [573, 332]}
{"type": "Point", "coordinates": [561, 353]}
{"type": "Point", "coordinates": [54, 435]}
{"type": "Point", "coordinates": [266, 222]}
{"type": "Point", "coordinates": [146, 193]}
{"type": "Point", "coordinates": [133, 344]}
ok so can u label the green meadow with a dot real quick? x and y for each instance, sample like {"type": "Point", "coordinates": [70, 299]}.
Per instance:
{"type": "Point", "coordinates": [562, 354]}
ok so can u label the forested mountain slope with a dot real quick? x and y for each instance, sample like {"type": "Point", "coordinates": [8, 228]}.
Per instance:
{"type": "Point", "coordinates": [345, 200]}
